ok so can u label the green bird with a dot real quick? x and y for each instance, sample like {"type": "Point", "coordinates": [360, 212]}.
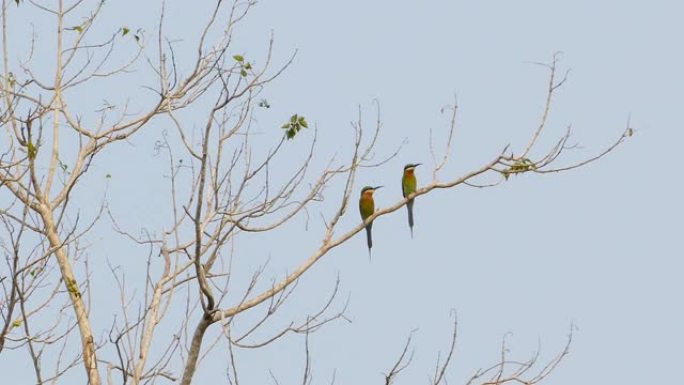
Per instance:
{"type": "Point", "coordinates": [408, 187]}
{"type": "Point", "coordinates": [367, 208]}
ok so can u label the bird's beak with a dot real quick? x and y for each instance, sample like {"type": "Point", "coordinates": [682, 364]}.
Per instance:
{"type": "Point", "coordinates": [377, 187]}
{"type": "Point", "coordinates": [418, 164]}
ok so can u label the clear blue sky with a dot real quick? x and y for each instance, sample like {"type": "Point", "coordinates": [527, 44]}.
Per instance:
{"type": "Point", "coordinates": [599, 247]}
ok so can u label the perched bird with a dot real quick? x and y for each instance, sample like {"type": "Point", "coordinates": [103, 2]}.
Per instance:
{"type": "Point", "coordinates": [408, 187]}
{"type": "Point", "coordinates": [367, 208]}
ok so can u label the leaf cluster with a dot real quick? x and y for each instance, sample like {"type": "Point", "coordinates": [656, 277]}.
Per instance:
{"type": "Point", "coordinates": [293, 126]}
{"type": "Point", "coordinates": [244, 65]}
{"type": "Point", "coordinates": [520, 166]}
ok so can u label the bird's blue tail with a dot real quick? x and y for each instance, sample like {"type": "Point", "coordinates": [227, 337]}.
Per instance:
{"type": "Point", "coordinates": [369, 237]}
{"type": "Point", "coordinates": [409, 207]}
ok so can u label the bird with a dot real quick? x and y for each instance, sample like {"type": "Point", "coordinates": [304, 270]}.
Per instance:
{"type": "Point", "coordinates": [408, 187]}
{"type": "Point", "coordinates": [367, 208]}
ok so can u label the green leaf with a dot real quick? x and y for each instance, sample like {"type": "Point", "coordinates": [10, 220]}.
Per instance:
{"type": "Point", "coordinates": [264, 103]}
{"type": "Point", "coordinates": [293, 119]}
{"type": "Point", "coordinates": [239, 58]}
{"type": "Point", "coordinates": [125, 31]}
{"type": "Point", "coordinates": [78, 29]}
{"type": "Point", "coordinates": [290, 133]}
{"type": "Point", "coordinates": [243, 73]}
{"type": "Point", "coordinates": [108, 176]}
{"type": "Point", "coordinates": [286, 125]}
{"type": "Point", "coordinates": [302, 122]}
{"type": "Point", "coordinates": [520, 166]}
{"type": "Point", "coordinates": [32, 151]}
{"type": "Point", "coordinates": [137, 37]}
{"type": "Point", "coordinates": [248, 66]}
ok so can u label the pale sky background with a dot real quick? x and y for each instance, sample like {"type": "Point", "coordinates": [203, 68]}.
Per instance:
{"type": "Point", "coordinates": [599, 247]}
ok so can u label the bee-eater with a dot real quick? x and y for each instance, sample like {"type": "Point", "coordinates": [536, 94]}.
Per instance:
{"type": "Point", "coordinates": [367, 208]}
{"type": "Point", "coordinates": [408, 187]}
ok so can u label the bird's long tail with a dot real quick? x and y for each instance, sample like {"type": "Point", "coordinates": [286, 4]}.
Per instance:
{"type": "Point", "coordinates": [369, 238]}
{"type": "Point", "coordinates": [409, 207]}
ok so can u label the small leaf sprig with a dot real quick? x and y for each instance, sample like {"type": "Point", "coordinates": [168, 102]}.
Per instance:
{"type": "Point", "coordinates": [293, 126]}
{"type": "Point", "coordinates": [244, 65]}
